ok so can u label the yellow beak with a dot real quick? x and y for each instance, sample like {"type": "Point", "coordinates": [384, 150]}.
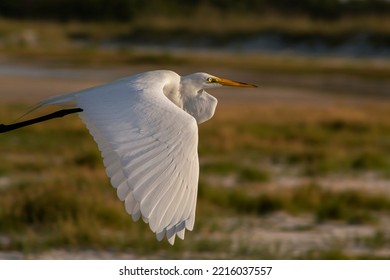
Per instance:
{"type": "Point", "coordinates": [226, 82]}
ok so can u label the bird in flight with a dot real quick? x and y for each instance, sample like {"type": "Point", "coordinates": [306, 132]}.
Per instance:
{"type": "Point", "coordinates": [146, 128]}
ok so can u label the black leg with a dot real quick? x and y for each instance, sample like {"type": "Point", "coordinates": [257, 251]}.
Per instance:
{"type": "Point", "coordinates": [58, 114]}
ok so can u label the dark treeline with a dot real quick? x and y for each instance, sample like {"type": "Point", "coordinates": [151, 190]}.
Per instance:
{"type": "Point", "coordinates": [125, 10]}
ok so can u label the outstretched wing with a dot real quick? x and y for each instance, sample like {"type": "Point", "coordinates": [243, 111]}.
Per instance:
{"type": "Point", "coordinates": [149, 147]}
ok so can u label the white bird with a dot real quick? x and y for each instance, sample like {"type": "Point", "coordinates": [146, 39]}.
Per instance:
{"type": "Point", "coordinates": [145, 126]}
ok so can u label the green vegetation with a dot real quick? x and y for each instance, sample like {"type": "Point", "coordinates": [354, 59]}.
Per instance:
{"type": "Point", "coordinates": [270, 170]}
{"type": "Point", "coordinates": [379, 239]}
{"type": "Point", "coordinates": [350, 206]}
{"type": "Point", "coordinates": [59, 197]}
{"type": "Point", "coordinates": [243, 173]}
{"type": "Point", "coordinates": [88, 44]}
{"type": "Point", "coordinates": [332, 140]}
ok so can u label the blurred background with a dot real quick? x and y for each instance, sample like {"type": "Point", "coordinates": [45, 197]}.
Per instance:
{"type": "Point", "coordinates": [298, 168]}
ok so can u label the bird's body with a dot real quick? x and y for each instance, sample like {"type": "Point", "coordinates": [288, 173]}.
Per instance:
{"type": "Point", "coordinates": [146, 128]}
{"type": "Point", "coordinates": [179, 90]}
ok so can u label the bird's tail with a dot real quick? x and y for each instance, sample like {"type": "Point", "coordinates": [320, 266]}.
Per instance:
{"type": "Point", "coordinates": [67, 100]}
{"type": "Point", "coordinates": [63, 101]}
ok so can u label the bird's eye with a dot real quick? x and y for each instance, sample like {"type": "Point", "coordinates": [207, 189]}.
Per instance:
{"type": "Point", "coordinates": [211, 80]}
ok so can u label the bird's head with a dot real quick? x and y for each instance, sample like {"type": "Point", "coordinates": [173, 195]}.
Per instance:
{"type": "Point", "coordinates": [205, 81]}
{"type": "Point", "coordinates": [196, 101]}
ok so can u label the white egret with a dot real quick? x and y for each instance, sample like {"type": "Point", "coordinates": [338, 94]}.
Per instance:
{"type": "Point", "coordinates": [145, 126]}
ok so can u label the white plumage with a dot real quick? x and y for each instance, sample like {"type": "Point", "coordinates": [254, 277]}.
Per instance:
{"type": "Point", "coordinates": [146, 129]}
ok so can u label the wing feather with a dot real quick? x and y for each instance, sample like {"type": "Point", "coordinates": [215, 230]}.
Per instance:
{"type": "Point", "coordinates": [157, 215]}
{"type": "Point", "coordinates": [123, 190]}
{"type": "Point", "coordinates": [151, 200]}
{"type": "Point", "coordinates": [149, 149]}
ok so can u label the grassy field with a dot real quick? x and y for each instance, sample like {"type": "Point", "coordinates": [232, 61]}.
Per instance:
{"type": "Point", "coordinates": [221, 26]}
{"type": "Point", "coordinates": [292, 173]}
{"type": "Point", "coordinates": [298, 168]}
{"type": "Point", "coordinates": [78, 44]}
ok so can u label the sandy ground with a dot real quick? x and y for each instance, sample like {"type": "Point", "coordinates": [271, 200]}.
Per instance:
{"type": "Point", "coordinates": [29, 84]}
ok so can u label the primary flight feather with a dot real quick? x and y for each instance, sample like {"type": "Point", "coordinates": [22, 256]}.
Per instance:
{"type": "Point", "coordinates": [146, 128]}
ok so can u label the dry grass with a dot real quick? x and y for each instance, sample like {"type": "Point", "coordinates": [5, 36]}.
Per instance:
{"type": "Point", "coordinates": [215, 23]}
{"type": "Point", "coordinates": [56, 196]}
{"type": "Point", "coordinates": [266, 157]}
{"type": "Point", "coordinates": [77, 44]}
